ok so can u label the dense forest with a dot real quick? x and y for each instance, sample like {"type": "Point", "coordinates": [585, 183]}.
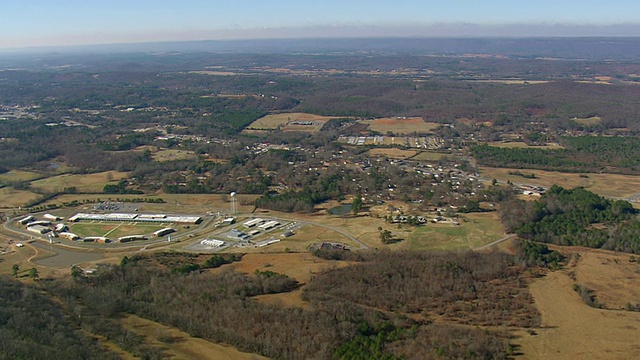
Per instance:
{"type": "Point", "coordinates": [617, 154]}
{"type": "Point", "coordinates": [574, 217]}
{"type": "Point", "coordinates": [348, 317]}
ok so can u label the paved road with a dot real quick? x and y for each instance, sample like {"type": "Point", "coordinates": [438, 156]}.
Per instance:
{"type": "Point", "coordinates": [505, 238]}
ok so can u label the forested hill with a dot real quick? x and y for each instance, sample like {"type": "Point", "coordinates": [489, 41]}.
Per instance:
{"type": "Point", "coordinates": [575, 217]}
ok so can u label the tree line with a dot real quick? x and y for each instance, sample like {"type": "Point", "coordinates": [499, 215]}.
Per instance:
{"type": "Point", "coordinates": [574, 217]}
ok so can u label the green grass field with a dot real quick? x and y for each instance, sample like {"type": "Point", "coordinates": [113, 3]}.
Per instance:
{"type": "Point", "coordinates": [428, 156]}
{"type": "Point", "coordinates": [114, 230]}
{"type": "Point", "coordinates": [478, 229]}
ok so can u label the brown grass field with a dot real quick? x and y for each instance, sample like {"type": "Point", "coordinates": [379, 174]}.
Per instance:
{"type": "Point", "coordinates": [18, 175]}
{"type": "Point", "coordinates": [300, 266]}
{"type": "Point", "coordinates": [522, 145]}
{"type": "Point", "coordinates": [573, 330]}
{"type": "Point", "coordinates": [170, 155]}
{"type": "Point", "coordinates": [401, 126]}
{"type": "Point", "coordinates": [214, 73]}
{"type": "Point", "coordinates": [428, 156]}
{"type": "Point", "coordinates": [283, 121]}
{"type": "Point", "coordinates": [611, 185]}
{"type": "Point", "coordinates": [612, 276]}
{"type": "Point", "coordinates": [511, 81]}
{"type": "Point", "coordinates": [181, 345]}
{"type": "Point", "coordinates": [392, 153]}
{"type": "Point", "coordinates": [11, 198]}
{"type": "Point", "coordinates": [475, 230]}
{"type": "Point", "coordinates": [84, 183]}
{"type": "Point", "coordinates": [594, 120]}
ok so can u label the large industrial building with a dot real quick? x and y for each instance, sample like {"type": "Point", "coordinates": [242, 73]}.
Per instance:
{"type": "Point", "coordinates": [156, 218]}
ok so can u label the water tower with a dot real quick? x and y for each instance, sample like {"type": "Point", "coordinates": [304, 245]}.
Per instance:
{"type": "Point", "coordinates": [234, 206]}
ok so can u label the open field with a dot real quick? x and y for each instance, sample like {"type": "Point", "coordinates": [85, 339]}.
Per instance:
{"type": "Point", "coordinates": [611, 185]}
{"type": "Point", "coordinates": [594, 120]}
{"type": "Point", "coordinates": [522, 145]}
{"type": "Point", "coordinates": [18, 175]}
{"type": "Point", "coordinates": [287, 122]}
{"type": "Point", "coordinates": [428, 156]}
{"type": "Point", "coordinates": [404, 126]}
{"type": "Point", "coordinates": [84, 183]}
{"type": "Point", "coordinates": [214, 73]}
{"type": "Point", "coordinates": [611, 276]}
{"type": "Point", "coordinates": [475, 230]}
{"type": "Point", "coordinates": [114, 230]}
{"type": "Point", "coordinates": [573, 330]}
{"type": "Point", "coordinates": [170, 155]}
{"type": "Point", "coordinates": [392, 153]}
{"type": "Point", "coordinates": [300, 266]}
{"type": "Point", "coordinates": [11, 198]}
{"type": "Point", "coordinates": [180, 345]}
{"type": "Point", "coordinates": [511, 81]}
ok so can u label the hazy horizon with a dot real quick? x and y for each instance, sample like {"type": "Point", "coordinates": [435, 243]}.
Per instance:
{"type": "Point", "coordinates": [41, 23]}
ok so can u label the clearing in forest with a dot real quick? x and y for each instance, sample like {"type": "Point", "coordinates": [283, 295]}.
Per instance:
{"type": "Point", "coordinates": [392, 153]}
{"type": "Point", "coordinates": [401, 126]}
{"type": "Point", "coordinates": [180, 345]}
{"type": "Point", "coordinates": [291, 122]}
{"type": "Point", "coordinates": [523, 145]}
{"type": "Point", "coordinates": [611, 185]}
{"type": "Point", "coordinates": [171, 155]}
{"type": "Point", "coordinates": [89, 183]}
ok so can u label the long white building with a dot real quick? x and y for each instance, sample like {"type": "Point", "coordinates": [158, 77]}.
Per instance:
{"type": "Point", "coordinates": [157, 218]}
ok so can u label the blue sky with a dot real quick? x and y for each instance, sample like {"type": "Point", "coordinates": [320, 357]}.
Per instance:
{"type": "Point", "coordinates": [71, 22]}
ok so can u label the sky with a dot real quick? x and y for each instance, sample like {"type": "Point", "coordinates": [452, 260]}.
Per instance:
{"type": "Point", "coordinates": [27, 23]}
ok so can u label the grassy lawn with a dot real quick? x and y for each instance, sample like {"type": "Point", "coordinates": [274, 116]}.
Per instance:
{"type": "Point", "coordinates": [84, 183]}
{"type": "Point", "coordinates": [522, 145]}
{"type": "Point", "coordinates": [10, 197]}
{"type": "Point", "coordinates": [478, 229]}
{"type": "Point", "coordinates": [392, 153]}
{"type": "Point", "coordinates": [114, 230]}
{"type": "Point", "coordinates": [612, 185]}
{"type": "Point", "coordinates": [594, 120]}
{"type": "Point", "coordinates": [170, 155]}
{"type": "Point", "coordinates": [18, 175]}
{"type": "Point", "coordinates": [273, 121]}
